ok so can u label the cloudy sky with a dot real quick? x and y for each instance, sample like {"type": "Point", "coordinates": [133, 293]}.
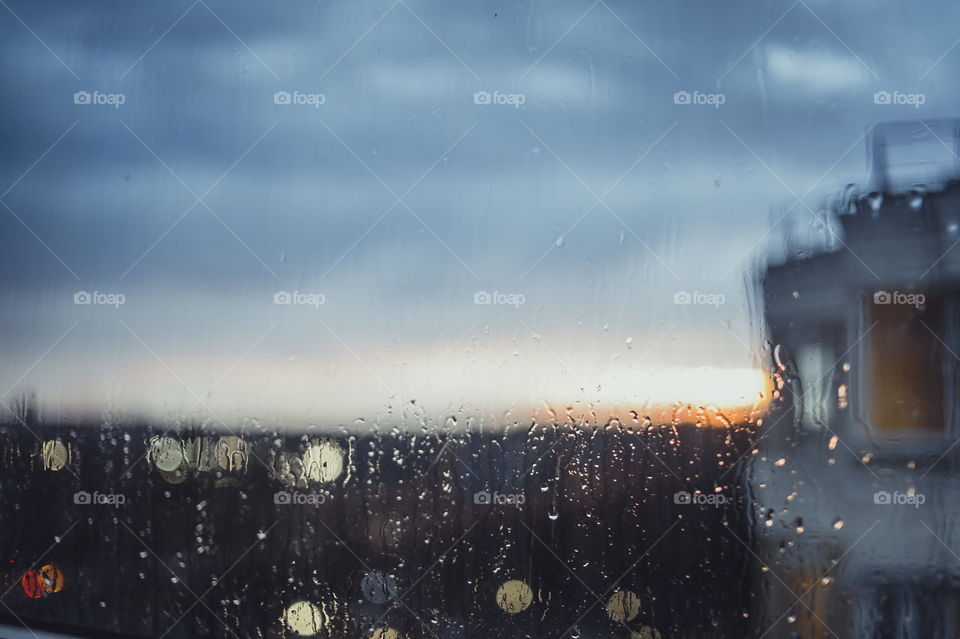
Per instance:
{"type": "Point", "coordinates": [395, 165]}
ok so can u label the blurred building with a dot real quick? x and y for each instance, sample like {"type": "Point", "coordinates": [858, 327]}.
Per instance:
{"type": "Point", "coordinates": [857, 503]}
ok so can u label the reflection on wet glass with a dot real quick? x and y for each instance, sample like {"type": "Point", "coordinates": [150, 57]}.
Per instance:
{"type": "Point", "coordinates": [402, 320]}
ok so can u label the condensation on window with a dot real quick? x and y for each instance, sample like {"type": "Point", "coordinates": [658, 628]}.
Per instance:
{"type": "Point", "coordinates": [409, 319]}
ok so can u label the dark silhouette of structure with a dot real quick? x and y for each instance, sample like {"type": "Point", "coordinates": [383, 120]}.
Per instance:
{"type": "Point", "coordinates": [854, 487]}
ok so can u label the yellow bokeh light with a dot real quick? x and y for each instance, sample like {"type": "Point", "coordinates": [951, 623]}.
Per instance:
{"type": "Point", "coordinates": [623, 606]}
{"type": "Point", "coordinates": [514, 596]}
{"type": "Point", "coordinates": [304, 618]}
